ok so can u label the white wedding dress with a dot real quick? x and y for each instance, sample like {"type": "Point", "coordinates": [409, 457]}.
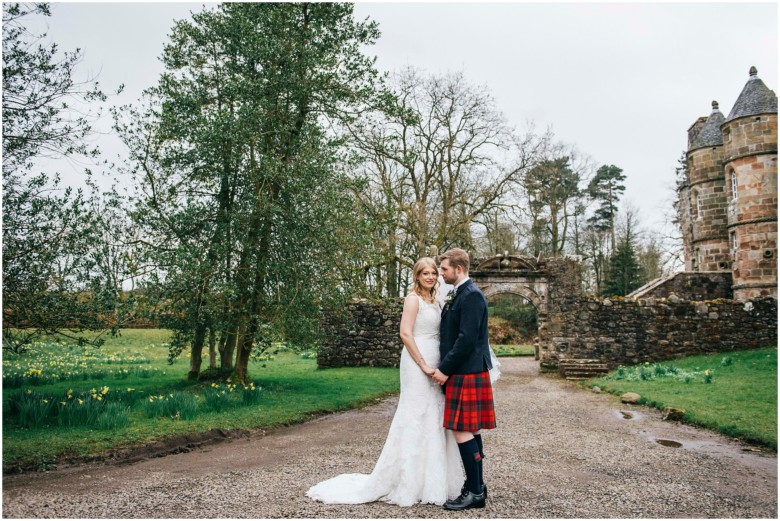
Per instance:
{"type": "Point", "coordinates": [420, 462]}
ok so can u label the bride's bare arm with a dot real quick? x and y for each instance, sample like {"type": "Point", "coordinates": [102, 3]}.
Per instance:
{"type": "Point", "coordinates": [408, 318]}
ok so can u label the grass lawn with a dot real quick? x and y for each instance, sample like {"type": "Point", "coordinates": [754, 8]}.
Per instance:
{"type": "Point", "coordinates": [740, 399]}
{"type": "Point", "coordinates": [513, 350]}
{"type": "Point", "coordinates": [135, 367]}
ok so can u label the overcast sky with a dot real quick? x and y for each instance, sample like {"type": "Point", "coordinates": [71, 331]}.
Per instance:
{"type": "Point", "coordinates": [622, 82]}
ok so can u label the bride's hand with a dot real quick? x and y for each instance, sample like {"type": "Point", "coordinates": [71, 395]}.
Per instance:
{"type": "Point", "coordinates": [428, 370]}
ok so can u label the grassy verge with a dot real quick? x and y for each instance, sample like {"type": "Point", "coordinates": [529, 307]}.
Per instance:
{"type": "Point", "coordinates": [733, 393]}
{"type": "Point", "coordinates": [134, 370]}
{"type": "Point", "coordinates": [513, 350]}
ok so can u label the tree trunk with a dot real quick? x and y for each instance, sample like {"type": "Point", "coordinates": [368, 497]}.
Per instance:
{"type": "Point", "coordinates": [241, 371]}
{"type": "Point", "coordinates": [212, 349]}
{"type": "Point", "coordinates": [226, 350]}
{"type": "Point", "coordinates": [196, 353]}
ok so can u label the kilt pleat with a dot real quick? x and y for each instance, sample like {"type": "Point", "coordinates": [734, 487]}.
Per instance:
{"type": "Point", "coordinates": [468, 405]}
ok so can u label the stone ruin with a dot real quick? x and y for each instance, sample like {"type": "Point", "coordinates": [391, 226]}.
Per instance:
{"type": "Point", "coordinates": [579, 336]}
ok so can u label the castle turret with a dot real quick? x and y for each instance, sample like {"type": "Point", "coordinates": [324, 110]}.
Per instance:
{"type": "Point", "coordinates": [708, 249]}
{"type": "Point", "coordinates": [750, 165]}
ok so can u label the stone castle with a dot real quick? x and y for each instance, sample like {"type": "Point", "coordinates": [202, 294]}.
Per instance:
{"type": "Point", "coordinates": [728, 202]}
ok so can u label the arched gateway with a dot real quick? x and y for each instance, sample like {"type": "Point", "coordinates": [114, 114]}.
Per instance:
{"type": "Point", "coordinates": [544, 283]}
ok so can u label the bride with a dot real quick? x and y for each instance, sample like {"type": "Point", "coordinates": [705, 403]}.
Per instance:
{"type": "Point", "coordinates": [420, 462]}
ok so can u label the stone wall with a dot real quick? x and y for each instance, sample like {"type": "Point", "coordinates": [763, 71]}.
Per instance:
{"type": "Point", "coordinates": [626, 331]}
{"type": "Point", "coordinates": [565, 282]}
{"type": "Point", "coordinates": [365, 334]}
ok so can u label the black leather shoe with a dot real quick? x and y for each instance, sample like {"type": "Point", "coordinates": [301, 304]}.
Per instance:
{"type": "Point", "coordinates": [465, 501]}
{"type": "Point", "coordinates": [463, 489]}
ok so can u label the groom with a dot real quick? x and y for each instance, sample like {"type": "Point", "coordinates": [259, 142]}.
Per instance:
{"type": "Point", "coordinates": [463, 370]}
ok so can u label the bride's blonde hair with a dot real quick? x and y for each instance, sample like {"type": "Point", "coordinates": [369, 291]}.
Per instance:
{"type": "Point", "coordinates": [419, 266]}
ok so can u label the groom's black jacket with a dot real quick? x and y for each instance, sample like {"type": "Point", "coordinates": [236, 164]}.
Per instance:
{"type": "Point", "coordinates": [463, 333]}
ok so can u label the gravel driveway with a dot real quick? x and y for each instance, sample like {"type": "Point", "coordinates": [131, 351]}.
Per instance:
{"type": "Point", "coordinates": [558, 452]}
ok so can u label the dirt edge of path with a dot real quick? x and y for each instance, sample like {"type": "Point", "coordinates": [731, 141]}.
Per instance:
{"type": "Point", "coordinates": [165, 446]}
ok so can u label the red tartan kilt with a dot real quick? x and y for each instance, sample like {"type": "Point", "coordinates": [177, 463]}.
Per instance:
{"type": "Point", "coordinates": [468, 405]}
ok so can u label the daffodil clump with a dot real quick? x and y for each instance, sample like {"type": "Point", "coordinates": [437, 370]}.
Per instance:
{"type": "Point", "coordinates": [219, 397]}
{"type": "Point", "coordinates": [250, 394]}
{"type": "Point", "coordinates": [30, 409]}
{"type": "Point", "coordinates": [176, 405]}
{"type": "Point", "coordinates": [56, 362]}
{"type": "Point", "coordinates": [649, 371]}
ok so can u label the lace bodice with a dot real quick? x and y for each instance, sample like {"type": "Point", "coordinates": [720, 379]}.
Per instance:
{"type": "Point", "coordinates": [428, 318]}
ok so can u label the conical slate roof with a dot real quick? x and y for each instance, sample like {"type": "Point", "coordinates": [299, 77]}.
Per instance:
{"type": "Point", "coordinates": [710, 134]}
{"type": "Point", "coordinates": [756, 98]}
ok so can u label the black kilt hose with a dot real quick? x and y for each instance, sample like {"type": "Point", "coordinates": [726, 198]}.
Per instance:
{"type": "Point", "coordinates": [465, 359]}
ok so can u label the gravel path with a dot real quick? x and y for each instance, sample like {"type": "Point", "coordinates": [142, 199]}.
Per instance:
{"type": "Point", "coordinates": [558, 452]}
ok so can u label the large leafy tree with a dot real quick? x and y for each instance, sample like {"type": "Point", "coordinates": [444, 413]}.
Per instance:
{"type": "Point", "coordinates": [241, 192]}
{"type": "Point", "coordinates": [49, 282]}
{"type": "Point", "coordinates": [439, 161]}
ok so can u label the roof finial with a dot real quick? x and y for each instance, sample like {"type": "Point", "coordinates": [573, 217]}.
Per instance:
{"type": "Point", "coordinates": [753, 72]}
{"type": "Point", "coordinates": [714, 105]}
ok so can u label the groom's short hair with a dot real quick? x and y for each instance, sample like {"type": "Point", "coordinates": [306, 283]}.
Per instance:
{"type": "Point", "coordinates": [457, 257]}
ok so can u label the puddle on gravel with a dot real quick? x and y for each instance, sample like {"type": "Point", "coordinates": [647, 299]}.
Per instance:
{"type": "Point", "coordinates": [669, 443]}
{"type": "Point", "coordinates": [628, 415]}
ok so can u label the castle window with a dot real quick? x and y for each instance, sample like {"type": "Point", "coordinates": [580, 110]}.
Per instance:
{"type": "Point", "coordinates": [698, 213]}
{"type": "Point", "coordinates": [695, 259]}
{"type": "Point", "coordinates": [733, 184]}
{"type": "Point", "coordinates": [733, 242]}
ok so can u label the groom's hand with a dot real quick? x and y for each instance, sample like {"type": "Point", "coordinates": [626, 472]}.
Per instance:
{"type": "Point", "coordinates": [439, 377]}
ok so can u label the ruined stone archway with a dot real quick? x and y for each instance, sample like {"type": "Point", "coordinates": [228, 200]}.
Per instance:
{"type": "Point", "coordinates": [545, 283]}
{"type": "Point", "coordinates": [368, 333]}
{"type": "Point", "coordinates": [523, 276]}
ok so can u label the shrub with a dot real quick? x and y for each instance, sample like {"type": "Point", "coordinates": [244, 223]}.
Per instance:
{"type": "Point", "coordinates": [521, 319]}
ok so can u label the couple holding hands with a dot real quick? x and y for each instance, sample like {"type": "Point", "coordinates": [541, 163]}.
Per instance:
{"type": "Point", "coordinates": [434, 433]}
